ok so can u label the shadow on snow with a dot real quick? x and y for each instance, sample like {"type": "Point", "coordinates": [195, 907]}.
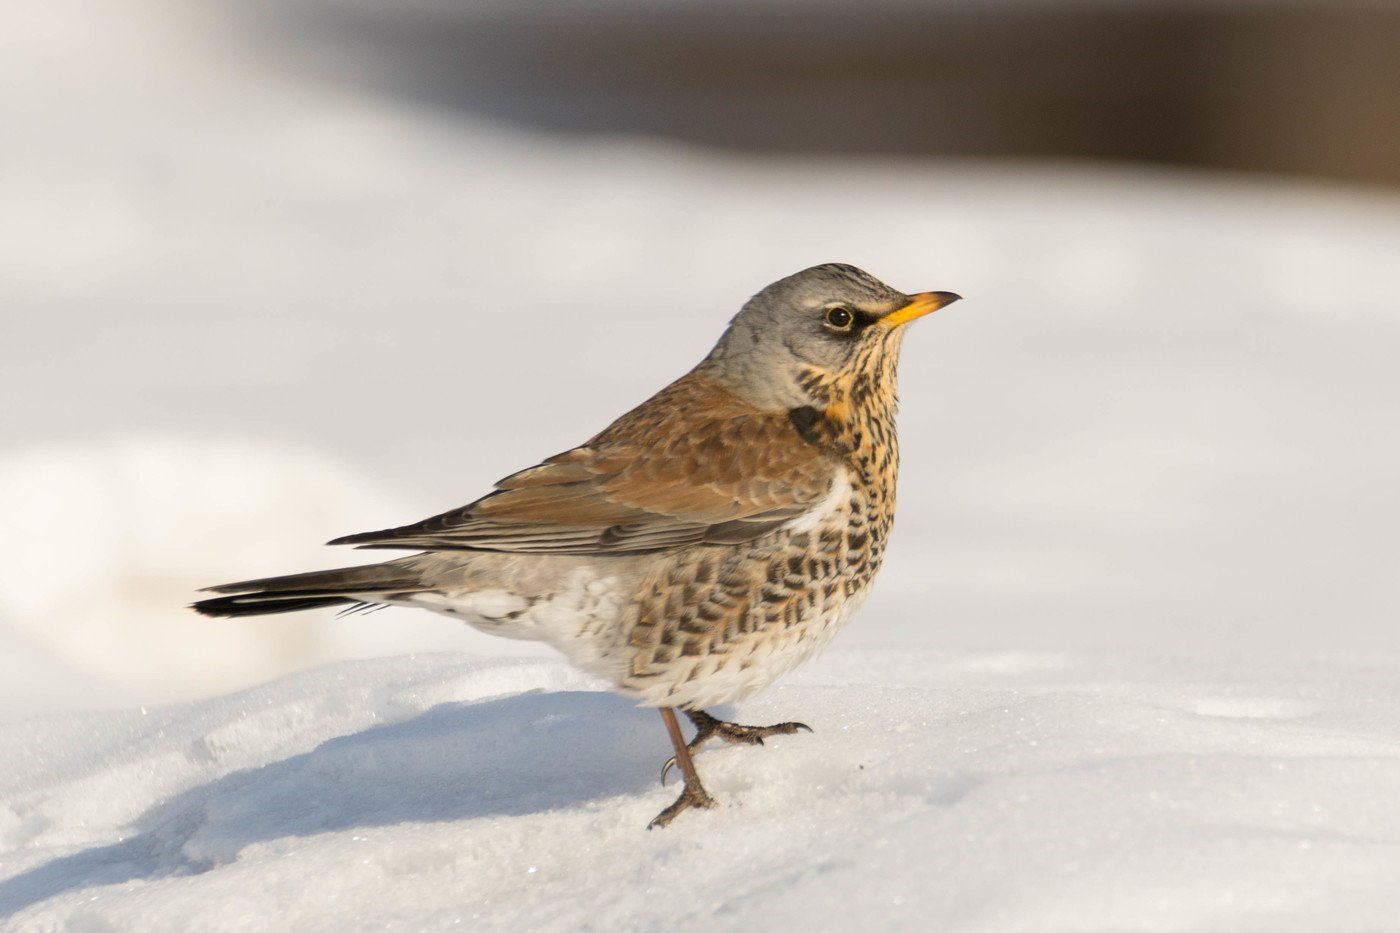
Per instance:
{"type": "Point", "coordinates": [513, 756]}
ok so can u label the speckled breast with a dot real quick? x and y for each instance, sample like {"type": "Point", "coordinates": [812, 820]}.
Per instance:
{"type": "Point", "coordinates": [715, 624]}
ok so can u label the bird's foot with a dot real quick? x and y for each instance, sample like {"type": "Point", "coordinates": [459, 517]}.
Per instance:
{"type": "Point", "coordinates": [693, 795]}
{"type": "Point", "coordinates": [754, 735]}
{"type": "Point", "coordinates": [708, 727]}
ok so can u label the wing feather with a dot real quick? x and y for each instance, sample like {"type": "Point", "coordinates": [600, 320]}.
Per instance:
{"type": "Point", "coordinates": [693, 465]}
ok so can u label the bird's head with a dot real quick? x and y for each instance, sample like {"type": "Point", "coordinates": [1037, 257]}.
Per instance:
{"type": "Point", "coordinates": [828, 325]}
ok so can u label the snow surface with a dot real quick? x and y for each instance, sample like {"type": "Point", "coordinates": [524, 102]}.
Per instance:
{"type": "Point", "coordinates": [109, 600]}
{"type": "Point", "coordinates": [246, 309]}
{"type": "Point", "coordinates": [947, 791]}
{"type": "Point", "coordinates": [136, 499]}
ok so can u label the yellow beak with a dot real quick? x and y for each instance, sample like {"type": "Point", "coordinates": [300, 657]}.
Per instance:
{"type": "Point", "coordinates": [919, 305]}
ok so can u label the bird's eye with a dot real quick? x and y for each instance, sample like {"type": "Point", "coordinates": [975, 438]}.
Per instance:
{"type": "Point", "coordinates": [839, 318]}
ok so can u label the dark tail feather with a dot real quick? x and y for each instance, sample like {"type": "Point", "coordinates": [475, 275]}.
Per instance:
{"type": "Point", "coordinates": [230, 607]}
{"type": "Point", "coordinates": [307, 590]}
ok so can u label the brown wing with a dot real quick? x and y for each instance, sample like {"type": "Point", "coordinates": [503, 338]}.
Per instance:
{"type": "Point", "coordinates": [692, 465]}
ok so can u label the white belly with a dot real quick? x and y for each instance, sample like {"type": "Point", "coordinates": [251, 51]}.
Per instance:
{"type": "Point", "coordinates": [580, 617]}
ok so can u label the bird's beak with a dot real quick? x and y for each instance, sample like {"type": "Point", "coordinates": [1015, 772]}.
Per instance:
{"type": "Point", "coordinates": [919, 305]}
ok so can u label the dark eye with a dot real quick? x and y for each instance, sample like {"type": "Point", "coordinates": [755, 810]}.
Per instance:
{"type": "Point", "coordinates": [839, 318]}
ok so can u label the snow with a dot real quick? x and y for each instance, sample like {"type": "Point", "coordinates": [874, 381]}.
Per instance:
{"type": "Point", "coordinates": [944, 790]}
{"type": "Point", "coordinates": [113, 538]}
{"type": "Point", "coordinates": [1131, 664]}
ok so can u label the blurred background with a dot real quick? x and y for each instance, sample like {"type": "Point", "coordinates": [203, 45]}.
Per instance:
{"type": "Point", "coordinates": [278, 272]}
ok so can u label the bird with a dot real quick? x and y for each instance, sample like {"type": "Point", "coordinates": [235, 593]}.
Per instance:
{"type": "Point", "coordinates": [703, 544]}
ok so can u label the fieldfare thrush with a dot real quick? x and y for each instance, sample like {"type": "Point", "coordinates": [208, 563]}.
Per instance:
{"type": "Point", "coordinates": [705, 543]}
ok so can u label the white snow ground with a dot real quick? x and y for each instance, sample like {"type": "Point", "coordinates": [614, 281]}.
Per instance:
{"type": "Point", "coordinates": [943, 791]}
{"type": "Point", "coordinates": [244, 311]}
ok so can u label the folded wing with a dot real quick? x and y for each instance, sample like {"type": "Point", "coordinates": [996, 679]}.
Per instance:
{"type": "Point", "coordinates": [693, 465]}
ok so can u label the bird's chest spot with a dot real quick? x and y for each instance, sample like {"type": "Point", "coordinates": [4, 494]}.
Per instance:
{"type": "Point", "coordinates": [831, 557]}
{"type": "Point", "coordinates": [866, 513]}
{"type": "Point", "coordinates": [866, 522]}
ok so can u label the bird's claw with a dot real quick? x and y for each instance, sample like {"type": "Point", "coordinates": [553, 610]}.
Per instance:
{"type": "Point", "coordinates": [735, 735]}
{"type": "Point", "coordinates": [690, 797]}
{"type": "Point", "coordinates": [754, 735]}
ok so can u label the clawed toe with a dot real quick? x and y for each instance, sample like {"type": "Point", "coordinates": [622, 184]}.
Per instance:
{"type": "Point", "coordinates": [690, 797]}
{"type": "Point", "coordinates": [754, 735]}
{"type": "Point", "coordinates": [707, 727]}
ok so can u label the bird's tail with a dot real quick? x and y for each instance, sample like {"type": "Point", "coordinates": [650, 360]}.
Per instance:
{"type": "Point", "coordinates": [309, 590]}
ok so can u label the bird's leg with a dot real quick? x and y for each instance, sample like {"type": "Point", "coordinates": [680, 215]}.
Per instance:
{"type": "Point", "coordinates": [708, 727]}
{"type": "Point", "coordinates": [693, 794]}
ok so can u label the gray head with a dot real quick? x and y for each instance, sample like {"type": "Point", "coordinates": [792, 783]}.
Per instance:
{"type": "Point", "coordinates": [831, 321]}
